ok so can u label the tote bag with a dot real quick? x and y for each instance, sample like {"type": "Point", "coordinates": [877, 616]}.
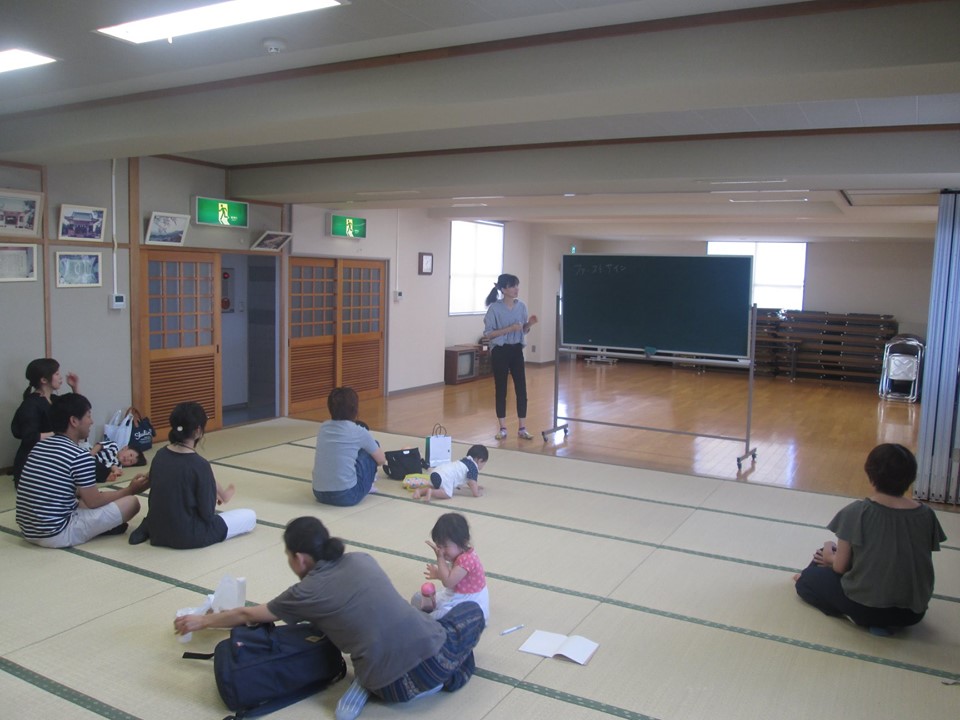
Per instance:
{"type": "Point", "coordinates": [438, 446]}
{"type": "Point", "coordinates": [119, 427]}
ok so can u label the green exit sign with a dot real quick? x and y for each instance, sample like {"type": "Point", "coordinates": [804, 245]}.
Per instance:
{"type": "Point", "coordinates": [225, 213]}
{"type": "Point", "coordinates": [350, 227]}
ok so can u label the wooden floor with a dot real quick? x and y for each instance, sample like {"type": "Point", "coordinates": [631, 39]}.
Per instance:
{"type": "Point", "coordinates": [809, 434]}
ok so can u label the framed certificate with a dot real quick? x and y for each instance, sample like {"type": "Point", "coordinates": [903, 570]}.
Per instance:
{"type": "Point", "coordinates": [425, 264]}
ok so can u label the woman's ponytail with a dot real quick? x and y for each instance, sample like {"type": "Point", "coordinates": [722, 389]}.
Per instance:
{"type": "Point", "coordinates": [504, 281]}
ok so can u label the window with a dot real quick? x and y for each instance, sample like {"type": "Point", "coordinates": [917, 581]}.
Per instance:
{"type": "Point", "coordinates": [778, 271]}
{"type": "Point", "coordinates": [476, 259]}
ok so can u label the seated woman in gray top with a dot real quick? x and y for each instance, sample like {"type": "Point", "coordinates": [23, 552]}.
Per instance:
{"type": "Point", "coordinates": [347, 457]}
{"type": "Point", "coordinates": [879, 572]}
{"type": "Point", "coordinates": [398, 653]}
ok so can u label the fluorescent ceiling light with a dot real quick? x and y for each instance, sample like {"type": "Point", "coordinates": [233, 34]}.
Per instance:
{"type": "Point", "coordinates": [754, 192]}
{"type": "Point", "coordinates": [210, 17]}
{"type": "Point", "coordinates": [19, 59]}
{"type": "Point", "coordinates": [480, 197]}
{"type": "Point", "coordinates": [766, 181]}
{"type": "Point", "coordinates": [390, 192]}
{"type": "Point", "coordinates": [784, 200]}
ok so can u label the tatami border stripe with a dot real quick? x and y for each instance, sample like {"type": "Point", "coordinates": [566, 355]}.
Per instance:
{"type": "Point", "coordinates": [62, 691]}
{"type": "Point", "coordinates": [673, 616]}
{"type": "Point", "coordinates": [521, 684]}
{"type": "Point", "coordinates": [574, 488]}
{"type": "Point", "coordinates": [562, 696]}
{"type": "Point", "coordinates": [578, 531]}
{"type": "Point", "coordinates": [107, 711]}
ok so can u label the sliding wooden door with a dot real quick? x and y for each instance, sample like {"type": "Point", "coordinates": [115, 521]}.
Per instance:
{"type": "Point", "coordinates": [362, 350]}
{"type": "Point", "coordinates": [180, 326]}
{"type": "Point", "coordinates": [336, 329]}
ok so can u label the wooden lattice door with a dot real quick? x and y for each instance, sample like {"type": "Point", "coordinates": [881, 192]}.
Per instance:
{"type": "Point", "coordinates": [181, 334]}
{"type": "Point", "coordinates": [336, 327]}
{"type": "Point", "coordinates": [361, 330]}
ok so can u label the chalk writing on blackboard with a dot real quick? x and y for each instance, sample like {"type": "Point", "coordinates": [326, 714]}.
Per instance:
{"type": "Point", "coordinates": [599, 269]}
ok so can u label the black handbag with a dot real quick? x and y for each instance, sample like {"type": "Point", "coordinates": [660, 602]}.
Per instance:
{"type": "Point", "coordinates": [142, 432]}
{"type": "Point", "coordinates": [401, 463]}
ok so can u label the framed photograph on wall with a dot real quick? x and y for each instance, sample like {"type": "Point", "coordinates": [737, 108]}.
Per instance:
{"type": "Point", "coordinates": [78, 269]}
{"type": "Point", "coordinates": [20, 213]}
{"type": "Point", "coordinates": [78, 222]}
{"type": "Point", "coordinates": [167, 228]}
{"type": "Point", "coordinates": [275, 241]}
{"type": "Point", "coordinates": [18, 263]}
{"type": "Point", "coordinates": [425, 264]}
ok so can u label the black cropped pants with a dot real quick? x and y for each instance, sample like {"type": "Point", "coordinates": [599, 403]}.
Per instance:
{"type": "Point", "coordinates": [508, 360]}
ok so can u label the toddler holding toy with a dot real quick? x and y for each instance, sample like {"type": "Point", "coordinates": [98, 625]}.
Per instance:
{"type": "Point", "coordinates": [458, 569]}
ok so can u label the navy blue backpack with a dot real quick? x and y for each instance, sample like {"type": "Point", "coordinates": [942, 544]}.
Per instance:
{"type": "Point", "coordinates": [262, 668]}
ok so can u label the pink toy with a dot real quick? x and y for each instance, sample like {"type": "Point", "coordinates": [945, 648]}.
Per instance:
{"type": "Point", "coordinates": [428, 590]}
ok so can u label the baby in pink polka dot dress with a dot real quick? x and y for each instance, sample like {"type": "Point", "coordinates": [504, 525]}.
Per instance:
{"type": "Point", "coordinates": [457, 568]}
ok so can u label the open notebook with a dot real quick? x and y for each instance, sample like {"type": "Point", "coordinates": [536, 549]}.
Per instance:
{"type": "Point", "coordinates": [548, 644]}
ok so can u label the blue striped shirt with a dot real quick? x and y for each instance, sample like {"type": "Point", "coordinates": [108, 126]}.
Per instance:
{"type": "Point", "coordinates": [499, 316]}
{"type": "Point", "coordinates": [47, 494]}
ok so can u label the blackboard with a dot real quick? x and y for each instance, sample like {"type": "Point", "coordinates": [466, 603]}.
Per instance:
{"type": "Point", "coordinates": [698, 305]}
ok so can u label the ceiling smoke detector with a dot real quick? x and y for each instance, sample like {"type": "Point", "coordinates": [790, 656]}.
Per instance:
{"type": "Point", "coordinates": [274, 46]}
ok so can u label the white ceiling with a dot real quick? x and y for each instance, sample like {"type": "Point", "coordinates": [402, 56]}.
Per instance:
{"type": "Point", "coordinates": [640, 119]}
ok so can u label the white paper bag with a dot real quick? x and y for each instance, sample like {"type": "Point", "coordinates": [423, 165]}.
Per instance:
{"type": "Point", "coordinates": [119, 428]}
{"type": "Point", "coordinates": [201, 610]}
{"type": "Point", "coordinates": [230, 593]}
{"type": "Point", "coordinates": [438, 446]}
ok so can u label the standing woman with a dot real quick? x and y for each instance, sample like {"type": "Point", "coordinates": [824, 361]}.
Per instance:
{"type": "Point", "coordinates": [505, 325]}
{"type": "Point", "coordinates": [184, 494]}
{"type": "Point", "coordinates": [31, 423]}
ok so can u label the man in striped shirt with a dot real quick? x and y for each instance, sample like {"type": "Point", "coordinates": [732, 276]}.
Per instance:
{"type": "Point", "coordinates": [58, 502]}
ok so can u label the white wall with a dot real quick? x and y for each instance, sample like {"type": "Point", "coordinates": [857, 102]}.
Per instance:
{"type": "Point", "coordinates": [86, 336]}
{"type": "Point", "coordinates": [882, 278]}
{"type": "Point", "coordinates": [416, 324]}
{"type": "Point", "coordinates": [870, 277]}
{"type": "Point", "coordinates": [467, 329]}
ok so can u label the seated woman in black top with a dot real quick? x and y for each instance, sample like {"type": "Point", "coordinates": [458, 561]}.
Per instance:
{"type": "Point", "coordinates": [184, 494]}
{"type": "Point", "coordinates": [31, 423]}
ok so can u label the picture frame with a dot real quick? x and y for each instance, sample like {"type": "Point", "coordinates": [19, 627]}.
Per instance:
{"type": "Point", "coordinates": [272, 241]}
{"type": "Point", "coordinates": [167, 228]}
{"type": "Point", "coordinates": [78, 269]}
{"type": "Point", "coordinates": [79, 222]}
{"type": "Point", "coordinates": [18, 263]}
{"type": "Point", "coordinates": [425, 264]}
{"type": "Point", "coordinates": [21, 213]}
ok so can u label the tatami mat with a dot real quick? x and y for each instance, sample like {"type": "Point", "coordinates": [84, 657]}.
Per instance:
{"type": "Point", "coordinates": [684, 582]}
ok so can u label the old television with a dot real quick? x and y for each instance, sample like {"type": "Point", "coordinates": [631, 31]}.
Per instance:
{"type": "Point", "coordinates": [460, 364]}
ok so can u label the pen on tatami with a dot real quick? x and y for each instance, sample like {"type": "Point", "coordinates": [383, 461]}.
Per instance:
{"type": "Point", "coordinates": [513, 629]}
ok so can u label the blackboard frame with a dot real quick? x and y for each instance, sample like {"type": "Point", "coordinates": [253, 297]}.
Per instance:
{"type": "Point", "coordinates": [652, 304]}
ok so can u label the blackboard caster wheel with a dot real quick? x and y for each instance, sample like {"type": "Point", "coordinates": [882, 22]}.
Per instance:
{"type": "Point", "coordinates": [739, 465]}
{"type": "Point", "coordinates": [566, 431]}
